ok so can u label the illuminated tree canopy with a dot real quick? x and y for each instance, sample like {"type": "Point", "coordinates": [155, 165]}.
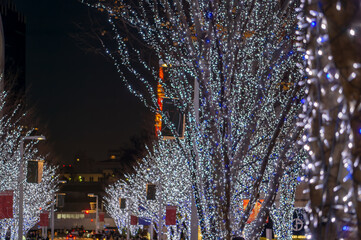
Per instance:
{"type": "Point", "coordinates": [37, 196]}
{"type": "Point", "coordinates": [235, 72]}
{"type": "Point", "coordinates": [165, 167]}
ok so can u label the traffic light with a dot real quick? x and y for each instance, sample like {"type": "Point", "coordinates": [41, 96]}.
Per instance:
{"type": "Point", "coordinates": [122, 203]}
{"type": "Point", "coordinates": [86, 214]}
{"type": "Point", "coordinates": [60, 200]}
{"type": "Point", "coordinates": [151, 189]}
{"type": "Point", "coordinates": [174, 117]}
{"type": "Point", "coordinates": [35, 171]}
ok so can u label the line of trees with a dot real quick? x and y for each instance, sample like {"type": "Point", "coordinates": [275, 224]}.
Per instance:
{"type": "Point", "coordinates": [232, 67]}
{"type": "Point", "coordinates": [166, 168]}
{"type": "Point", "coordinates": [38, 197]}
{"type": "Point", "coordinates": [256, 81]}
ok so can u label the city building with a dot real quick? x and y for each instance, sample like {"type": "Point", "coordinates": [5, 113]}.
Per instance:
{"type": "Point", "coordinates": [82, 176]}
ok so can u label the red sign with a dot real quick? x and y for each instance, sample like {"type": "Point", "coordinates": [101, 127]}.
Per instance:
{"type": "Point", "coordinates": [101, 217]}
{"type": "Point", "coordinates": [133, 220]}
{"type": "Point", "coordinates": [44, 219]}
{"type": "Point", "coordinates": [170, 215]}
{"type": "Point", "coordinates": [255, 209]}
{"type": "Point", "coordinates": [6, 204]}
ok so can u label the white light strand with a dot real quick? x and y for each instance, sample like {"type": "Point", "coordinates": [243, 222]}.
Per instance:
{"type": "Point", "coordinates": [247, 62]}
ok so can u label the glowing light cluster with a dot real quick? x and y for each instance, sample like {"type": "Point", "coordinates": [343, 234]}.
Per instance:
{"type": "Point", "coordinates": [166, 167]}
{"type": "Point", "coordinates": [37, 197]}
{"type": "Point", "coordinates": [241, 122]}
{"type": "Point", "coordinates": [329, 138]}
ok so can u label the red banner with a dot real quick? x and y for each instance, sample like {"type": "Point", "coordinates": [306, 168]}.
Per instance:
{"type": "Point", "coordinates": [133, 220]}
{"type": "Point", "coordinates": [170, 215]}
{"type": "Point", "coordinates": [101, 217]}
{"type": "Point", "coordinates": [44, 219]}
{"type": "Point", "coordinates": [6, 204]}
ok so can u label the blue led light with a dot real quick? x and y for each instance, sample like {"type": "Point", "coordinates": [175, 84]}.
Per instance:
{"type": "Point", "coordinates": [313, 24]}
{"type": "Point", "coordinates": [303, 101]}
{"type": "Point", "coordinates": [359, 130]}
{"type": "Point", "coordinates": [345, 228]}
{"type": "Point", "coordinates": [328, 75]}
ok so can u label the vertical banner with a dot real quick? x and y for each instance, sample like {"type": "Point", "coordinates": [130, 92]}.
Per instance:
{"type": "Point", "coordinates": [255, 209]}
{"type": "Point", "coordinates": [151, 189]}
{"type": "Point", "coordinates": [299, 222]}
{"type": "Point", "coordinates": [60, 199]}
{"type": "Point", "coordinates": [34, 171]}
{"type": "Point", "coordinates": [122, 203]}
{"type": "Point", "coordinates": [170, 215]}
{"type": "Point", "coordinates": [6, 204]}
{"type": "Point", "coordinates": [44, 219]}
{"type": "Point", "coordinates": [133, 220]}
{"type": "Point", "coordinates": [101, 216]}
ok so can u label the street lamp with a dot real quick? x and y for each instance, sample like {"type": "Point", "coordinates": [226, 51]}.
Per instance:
{"type": "Point", "coordinates": [96, 210]}
{"type": "Point", "coordinates": [20, 179]}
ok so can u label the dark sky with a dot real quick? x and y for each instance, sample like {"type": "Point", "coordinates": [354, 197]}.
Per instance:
{"type": "Point", "coordinates": [78, 97]}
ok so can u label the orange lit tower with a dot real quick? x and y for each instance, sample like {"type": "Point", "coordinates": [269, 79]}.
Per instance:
{"type": "Point", "coordinates": [160, 96]}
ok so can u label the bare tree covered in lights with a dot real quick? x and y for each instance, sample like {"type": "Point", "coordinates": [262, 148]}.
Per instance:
{"type": "Point", "coordinates": [37, 196]}
{"type": "Point", "coordinates": [333, 119]}
{"type": "Point", "coordinates": [233, 69]}
{"type": "Point", "coordinates": [166, 167]}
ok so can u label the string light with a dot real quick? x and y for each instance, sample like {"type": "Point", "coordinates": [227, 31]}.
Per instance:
{"type": "Point", "coordinates": [166, 167]}
{"type": "Point", "coordinates": [240, 142]}
{"type": "Point", "coordinates": [326, 106]}
{"type": "Point", "coordinates": [37, 197]}
{"type": "Point", "coordinates": [352, 32]}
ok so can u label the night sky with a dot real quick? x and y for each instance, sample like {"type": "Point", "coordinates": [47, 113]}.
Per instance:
{"type": "Point", "coordinates": [80, 101]}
